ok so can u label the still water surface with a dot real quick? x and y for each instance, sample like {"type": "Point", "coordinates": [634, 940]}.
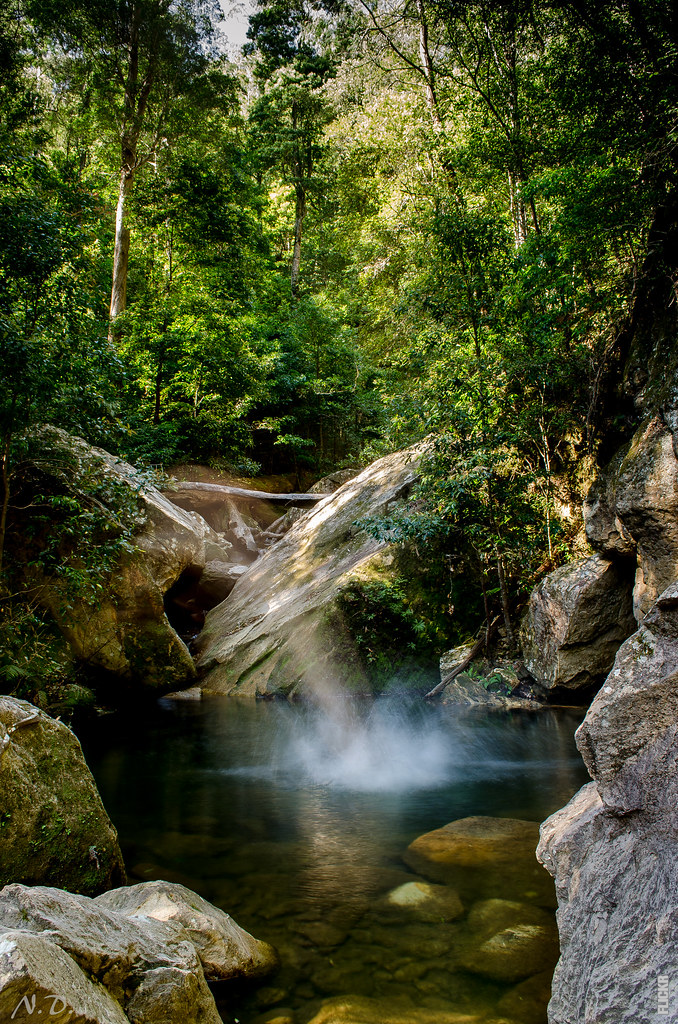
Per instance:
{"type": "Point", "coordinates": [294, 820]}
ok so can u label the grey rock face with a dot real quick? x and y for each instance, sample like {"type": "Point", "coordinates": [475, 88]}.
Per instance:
{"type": "Point", "coordinates": [147, 963]}
{"type": "Point", "coordinates": [53, 826]}
{"type": "Point", "coordinates": [633, 509]}
{"type": "Point", "coordinates": [281, 629]}
{"type": "Point", "coordinates": [39, 980]}
{"type": "Point", "coordinates": [612, 849]}
{"type": "Point", "coordinates": [575, 622]}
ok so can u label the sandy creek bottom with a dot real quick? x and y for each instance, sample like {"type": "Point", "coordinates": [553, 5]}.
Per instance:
{"type": "Point", "coordinates": [295, 819]}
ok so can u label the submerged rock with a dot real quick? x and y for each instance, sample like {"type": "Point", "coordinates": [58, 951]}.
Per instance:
{"type": "Point", "coordinates": [514, 953]}
{"type": "Point", "coordinates": [484, 857]}
{"type": "Point", "coordinates": [53, 826]}
{"type": "Point", "coordinates": [427, 902]}
{"type": "Point", "coordinates": [149, 964]}
{"type": "Point", "coordinates": [282, 629]}
{"type": "Point", "coordinates": [509, 941]}
{"type": "Point", "coordinates": [576, 620]}
{"type": "Point", "coordinates": [612, 848]}
{"type": "Point", "coordinates": [362, 1010]}
{"type": "Point", "coordinates": [527, 1002]}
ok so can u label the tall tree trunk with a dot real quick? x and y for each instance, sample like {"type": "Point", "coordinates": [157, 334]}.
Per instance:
{"type": "Point", "coordinates": [505, 606]}
{"type": "Point", "coordinates": [121, 247]}
{"type": "Point", "coordinates": [158, 384]}
{"type": "Point", "coordinates": [427, 67]}
{"type": "Point", "coordinates": [5, 493]}
{"type": "Point", "coordinates": [299, 214]}
{"type": "Point", "coordinates": [518, 214]}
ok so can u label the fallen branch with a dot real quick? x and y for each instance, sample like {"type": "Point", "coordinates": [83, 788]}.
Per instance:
{"type": "Point", "coordinates": [241, 492]}
{"type": "Point", "coordinates": [477, 647]}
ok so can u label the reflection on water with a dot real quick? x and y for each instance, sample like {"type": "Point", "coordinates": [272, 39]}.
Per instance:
{"type": "Point", "coordinates": [294, 819]}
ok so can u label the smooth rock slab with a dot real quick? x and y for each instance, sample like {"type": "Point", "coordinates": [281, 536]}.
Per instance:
{"type": "Point", "coordinates": [225, 949]}
{"type": "Point", "coordinates": [484, 857]}
{"type": "Point", "coordinates": [39, 981]}
{"type": "Point", "coordinates": [283, 630]}
{"type": "Point", "coordinates": [53, 826]}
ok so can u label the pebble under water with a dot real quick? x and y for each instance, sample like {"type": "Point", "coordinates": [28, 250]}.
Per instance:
{"type": "Point", "coordinates": [294, 819]}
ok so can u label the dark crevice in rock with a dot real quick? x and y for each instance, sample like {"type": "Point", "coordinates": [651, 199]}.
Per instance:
{"type": "Point", "coordinates": [186, 604]}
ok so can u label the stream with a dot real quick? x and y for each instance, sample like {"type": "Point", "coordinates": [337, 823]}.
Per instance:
{"type": "Point", "coordinates": [294, 819]}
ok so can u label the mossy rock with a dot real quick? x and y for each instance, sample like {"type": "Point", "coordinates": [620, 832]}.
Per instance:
{"type": "Point", "coordinates": [53, 827]}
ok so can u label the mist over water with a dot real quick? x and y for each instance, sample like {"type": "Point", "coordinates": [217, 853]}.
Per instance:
{"type": "Point", "coordinates": [383, 746]}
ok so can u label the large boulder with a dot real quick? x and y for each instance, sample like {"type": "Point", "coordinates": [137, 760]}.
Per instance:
{"type": "Point", "coordinates": [612, 848]}
{"type": "Point", "coordinates": [575, 622]}
{"type": "Point", "coordinates": [283, 629]}
{"type": "Point", "coordinates": [53, 826]}
{"type": "Point", "coordinates": [149, 963]}
{"type": "Point", "coordinates": [122, 627]}
{"type": "Point", "coordinates": [226, 951]}
{"type": "Point", "coordinates": [632, 510]}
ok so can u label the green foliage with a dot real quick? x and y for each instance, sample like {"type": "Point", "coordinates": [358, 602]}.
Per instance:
{"type": "Point", "coordinates": [396, 642]}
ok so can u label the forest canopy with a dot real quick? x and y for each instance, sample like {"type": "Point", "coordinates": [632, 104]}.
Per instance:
{"type": "Point", "coordinates": [383, 221]}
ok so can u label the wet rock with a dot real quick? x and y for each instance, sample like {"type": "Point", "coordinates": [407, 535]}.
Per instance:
{"type": "Point", "coordinates": [37, 979]}
{"type": "Point", "coordinates": [282, 629]}
{"type": "Point", "coordinates": [270, 996]}
{"type": "Point", "coordinates": [193, 693]}
{"type": "Point", "coordinates": [426, 901]}
{"type": "Point", "coordinates": [281, 1015]}
{"type": "Point", "coordinates": [225, 949]}
{"type": "Point", "coordinates": [576, 620]}
{"type": "Point", "coordinates": [321, 933]}
{"type": "Point", "coordinates": [53, 826]}
{"type": "Point", "coordinates": [633, 509]}
{"type": "Point", "coordinates": [362, 1010]}
{"type": "Point", "coordinates": [484, 857]}
{"type": "Point", "coordinates": [612, 848]}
